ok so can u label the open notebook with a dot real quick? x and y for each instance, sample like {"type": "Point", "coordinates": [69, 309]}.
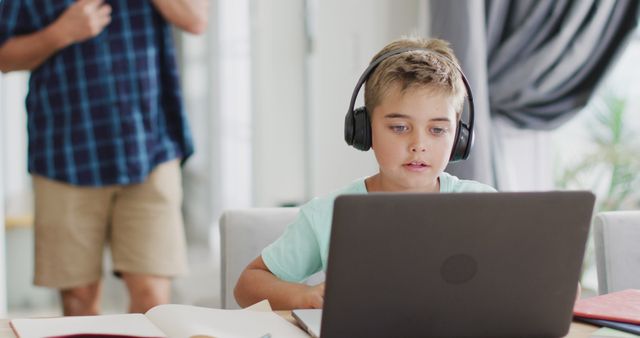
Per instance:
{"type": "Point", "coordinates": [171, 321]}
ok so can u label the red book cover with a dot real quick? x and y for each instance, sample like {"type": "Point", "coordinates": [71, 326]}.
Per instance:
{"type": "Point", "coordinates": [621, 306]}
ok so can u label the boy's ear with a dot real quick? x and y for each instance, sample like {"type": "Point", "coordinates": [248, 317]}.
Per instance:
{"type": "Point", "coordinates": [357, 129]}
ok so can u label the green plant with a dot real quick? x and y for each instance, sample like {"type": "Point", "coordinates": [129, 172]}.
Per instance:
{"type": "Point", "coordinates": [611, 167]}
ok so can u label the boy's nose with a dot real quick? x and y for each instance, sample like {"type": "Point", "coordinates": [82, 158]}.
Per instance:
{"type": "Point", "coordinates": [418, 143]}
{"type": "Point", "coordinates": [418, 148]}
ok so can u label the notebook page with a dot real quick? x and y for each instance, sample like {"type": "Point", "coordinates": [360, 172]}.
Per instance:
{"type": "Point", "coordinates": [179, 321]}
{"type": "Point", "coordinates": [124, 324]}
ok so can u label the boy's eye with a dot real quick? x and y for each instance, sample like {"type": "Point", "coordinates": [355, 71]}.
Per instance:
{"type": "Point", "coordinates": [438, 130]}
{"type": "Point", "coordinates": [398, 128]}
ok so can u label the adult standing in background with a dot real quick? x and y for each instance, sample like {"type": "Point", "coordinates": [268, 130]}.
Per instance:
{"type": "Point", "coordinates": [107, 134]}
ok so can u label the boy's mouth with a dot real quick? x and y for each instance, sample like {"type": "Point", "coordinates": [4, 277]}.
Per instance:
{"type": "Point", "coordinates": [416, 165]}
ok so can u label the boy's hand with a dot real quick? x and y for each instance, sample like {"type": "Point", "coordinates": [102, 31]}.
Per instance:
{"type": "Point", "coordinates": [313, 297]}
{"type": "Point", "coordinates": [83, 20]}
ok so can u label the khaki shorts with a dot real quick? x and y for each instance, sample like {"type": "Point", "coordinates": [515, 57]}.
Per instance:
{"type": "Point", "coordinates": [142, 224]}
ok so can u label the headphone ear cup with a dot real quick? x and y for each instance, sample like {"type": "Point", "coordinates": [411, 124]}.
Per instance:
{"type": "Point", "coordinates": [349, 127]}
{"type": "Point", "coordinates": [362, 129]}
{"type": "Point", "coordinates": [462, 144]}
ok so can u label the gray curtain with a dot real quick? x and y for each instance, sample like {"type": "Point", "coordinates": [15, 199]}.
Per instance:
{"type": "Point", "coordinates": [533, 62]}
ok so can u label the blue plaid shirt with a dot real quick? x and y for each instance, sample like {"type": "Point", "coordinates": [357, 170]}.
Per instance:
{"type": "Point", "coordinates": [108, 110]}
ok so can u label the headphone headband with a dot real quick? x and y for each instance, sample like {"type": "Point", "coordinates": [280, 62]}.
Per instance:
{"type": "Point", "coordinates": [468, 137]}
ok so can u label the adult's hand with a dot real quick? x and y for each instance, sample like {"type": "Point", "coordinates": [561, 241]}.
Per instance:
{"type": "Point", "coordinates": [83, 20]}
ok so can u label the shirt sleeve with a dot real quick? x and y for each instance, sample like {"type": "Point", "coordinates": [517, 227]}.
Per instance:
{"type": "Point", "coordinates": [296, 254]}
{"type": "Point", "coordinates": [14, 20]}
{"type": "Point", "coordinates": [480, 187]}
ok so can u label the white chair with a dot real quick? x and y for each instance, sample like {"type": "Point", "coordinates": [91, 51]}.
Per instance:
{"type": "Point", "coordinates": [617, 245]}
{"type": "Point", "coordinates": [243, 235]}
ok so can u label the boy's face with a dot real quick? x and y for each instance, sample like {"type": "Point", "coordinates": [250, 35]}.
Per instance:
{"type": "Point", "coordinates": [412, 136]}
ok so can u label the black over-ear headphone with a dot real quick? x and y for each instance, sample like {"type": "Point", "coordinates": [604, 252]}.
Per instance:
{"type": "Point", "coordinates": [357, 125]}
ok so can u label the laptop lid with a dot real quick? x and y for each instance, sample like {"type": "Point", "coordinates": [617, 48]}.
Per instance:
{"type": "Point", "coordinates": [462, 264]}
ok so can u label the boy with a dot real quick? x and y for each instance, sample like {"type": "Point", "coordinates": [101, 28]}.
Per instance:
{"type": "Point", "coordinates": [415, 99]}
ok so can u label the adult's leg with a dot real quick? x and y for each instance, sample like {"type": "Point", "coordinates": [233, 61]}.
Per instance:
{"type": "Point", "coordinates": [82, 300]}
{"type": "Point", "coordinates": [70, 234]}
{"type": "Point", "coordinates": [146, 291]}
{"type": "Point", "coordinates": [147, 236]}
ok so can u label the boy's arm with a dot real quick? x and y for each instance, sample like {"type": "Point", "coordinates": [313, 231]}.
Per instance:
{"type": "Point", "coordinates": [84, 19]}
{"type": "Point", "coordinates": [257, 283]}
{"type": "Point", "coordinates": [188, 15]}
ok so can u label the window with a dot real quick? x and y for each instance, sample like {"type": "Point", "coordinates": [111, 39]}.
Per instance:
{"type": "Point", "coordinates": [598, 149]}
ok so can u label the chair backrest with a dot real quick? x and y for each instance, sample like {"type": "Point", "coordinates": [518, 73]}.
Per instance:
{"type": "Point", "coordinates": [243, 235]}
{"type": "Point", "coordinates": [616, 236]}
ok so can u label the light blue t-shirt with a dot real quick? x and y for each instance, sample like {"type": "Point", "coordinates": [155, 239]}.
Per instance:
{"type": "Point", "coordinates": [303, 248]}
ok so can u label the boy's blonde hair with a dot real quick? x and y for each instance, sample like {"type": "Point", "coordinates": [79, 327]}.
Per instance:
{"type": "Point", "coordinates": [436, 68]}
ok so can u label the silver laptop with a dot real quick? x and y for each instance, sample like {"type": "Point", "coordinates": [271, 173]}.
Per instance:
{"type": "Point", "coordinates": [309, 320]}
{"type": "Point", "coordinates": [453, 265]}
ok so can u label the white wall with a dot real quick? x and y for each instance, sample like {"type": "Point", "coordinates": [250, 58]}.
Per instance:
{"type": "Point", "coordinates": [17, 201]}
{"type": "Point", "coordinates": [17, 183]}
{"type": "Point", "coordinates": [278, 59]}
{"type": "Point", "coordinates": [3, 294]}
{"type": "Point", "coordinates": [15, 187]}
